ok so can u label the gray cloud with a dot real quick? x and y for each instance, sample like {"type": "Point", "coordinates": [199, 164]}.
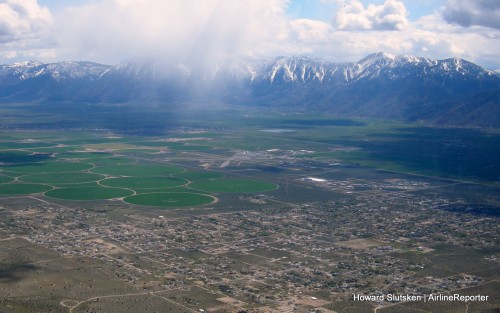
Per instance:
{"type": "Point", "coordinates": [181, 30]}
{"type": "Point", "coordinates": [22, 19]}
{"type": "Point", "coordinates": [468, 13]}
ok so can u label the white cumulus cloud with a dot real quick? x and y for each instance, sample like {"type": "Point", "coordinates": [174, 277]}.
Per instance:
{"type": "Point", "coordinates": [24, 30]}
{"type": "Point", "coordinates": [22, 19]}
{"type": "Point", "coordinates": [353, 15]}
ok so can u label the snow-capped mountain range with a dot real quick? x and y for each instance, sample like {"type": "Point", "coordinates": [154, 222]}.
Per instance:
{"type": "Point", "coordinates": [450, 91]}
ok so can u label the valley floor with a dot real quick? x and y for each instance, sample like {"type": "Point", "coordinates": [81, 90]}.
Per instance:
{"type": "Point", "coordinates": [236, 219]}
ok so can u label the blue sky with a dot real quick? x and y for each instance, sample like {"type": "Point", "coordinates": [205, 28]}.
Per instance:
{"type": "Point", "coordinates": [311, 9]}
{"type": "Point", "coordinates": [324, 10]}
{"type": "Point", "coordinates": [197, 30]}
{"type": "Point", "coordinates": [56, 5]}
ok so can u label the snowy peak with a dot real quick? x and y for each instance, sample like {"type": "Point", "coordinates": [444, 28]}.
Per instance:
{"type": "Point", "coordinates": [73, 70]}
{"type": "Point", "coordinates": [293, 69]}
{"type": "Point", "coordinates": [26, 64]}
{"type": "Point", "coordinates": [379, 58]}
{"type": "Point", "coordinates": [463, 67]}
{"type": "Point", "coordinates": [57, 71]}
{"type": "Point", "coordinates": [375, 66]}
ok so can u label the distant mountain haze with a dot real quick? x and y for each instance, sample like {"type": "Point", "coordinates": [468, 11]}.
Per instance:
{"type": "Point", "coordinates": [443, 92]}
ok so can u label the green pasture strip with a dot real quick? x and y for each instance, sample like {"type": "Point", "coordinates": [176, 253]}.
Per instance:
{"type": "Point", "coordinates": [18, 189]}
{"type": "Point", "coordinates": [172, 199]}
{"type": "Point", "coordinates": [83, 155]}
{"type": "Point", "coordinates": [62, 178]}
{"type": "Point", "coordinates": [88, 193]}
{"type": "Point", "coordinates": [197, 176]}
{"type": "Point", "coordinates": [149, 182]}
{"type": "Point", "coordinates": [15, 157]}
{"type": "Point", "coordinates": [233, 185]}
{"type": "Point", "coordinates": [5, 179]}
{"type": "Point", "coordinates": [139, 170]}
{"type": "Point", "coordinates": [108, 161]}
{"type": "Point", "coordinates": [47, 167]}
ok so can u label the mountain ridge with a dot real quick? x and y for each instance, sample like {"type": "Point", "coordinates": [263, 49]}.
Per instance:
{"type": "Point", "coordinates": [380, 85]}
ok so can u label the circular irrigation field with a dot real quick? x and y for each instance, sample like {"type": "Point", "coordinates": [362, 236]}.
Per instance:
{"type": "Point", "coordinates": [5, 179]}
{"type": "Point", "coordinates": [23, 189]}
{"type": "Point", "coordinates": [88, 193]}
{"type": "Point", "coordinates": [62, 178]}
{"type": "Point", "coordinates": [151, 182]}
{"type": "Point", "coordinates": [138, 170]}
{"type": "Point", "coordinates": [170, 199]}
{"type": "Point", "coordinates": [233, 185]}
{"type": "Point", "coordinates": [49, 167]}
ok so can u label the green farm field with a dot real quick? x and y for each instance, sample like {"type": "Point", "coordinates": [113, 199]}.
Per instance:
{"type": "Point", "coordinates": [65, 167]}
{"type": "Point", "coordinates": [62, 158]}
